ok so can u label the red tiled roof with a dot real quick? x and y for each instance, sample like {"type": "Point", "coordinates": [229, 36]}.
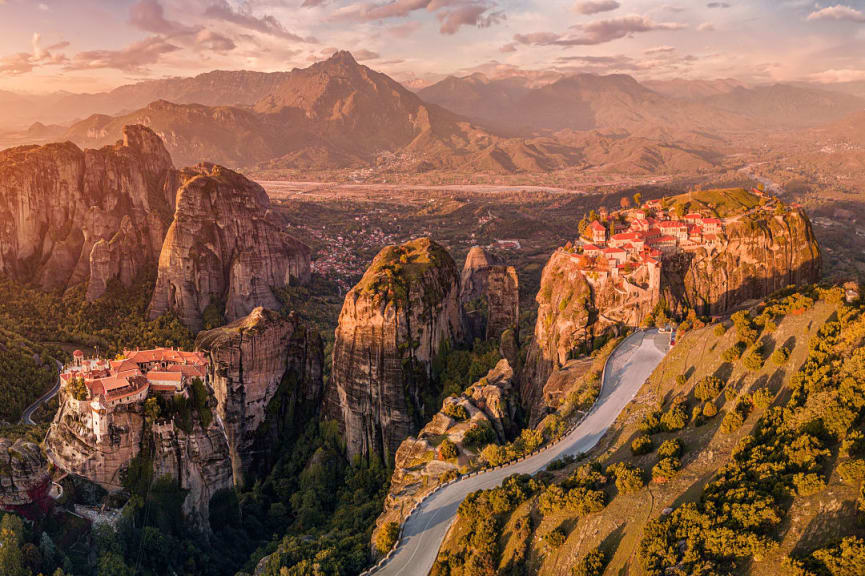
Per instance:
{"type": "Point", "coordinates": [671, 224]}
{"type": "Point", "coordinates": [613, 251]}
{"type": "Point", "coordinates": [711, 221]}
{"type": "Point", "coordinates": [589, 247]}
{"type": "Point", "coordinates": [597, 226]}
{"type": "Point", "coordinates": [164, 376]}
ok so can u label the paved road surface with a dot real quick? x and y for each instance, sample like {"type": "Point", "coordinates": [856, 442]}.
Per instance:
{"type": "Point", "coordinates": [27, 416]}
{"type": "Point", "coordinates": [629, 366]}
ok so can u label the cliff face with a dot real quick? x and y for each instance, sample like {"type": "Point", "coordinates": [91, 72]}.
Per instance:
{"type": "Point", "coordinates": [419, 465]}
{"type": "Point", "coordinates": [391, 326]}
{"type": "Point", "coordinates": [72, 215]}
{"type": "Point", "coordinates": [24, 474]}
{"type": "Point", "coordinates": [200, 463]}
{"type": "Point", "coordinates": [266, 373]}
{"type": "Point", "coordinates": [759, 258]}
{"type": "Point", "coordinates": [489, 296]}
{"type": "Point", "coordinates": [225, 248]}
{"type": "Point", "coordinates": [197, 460]}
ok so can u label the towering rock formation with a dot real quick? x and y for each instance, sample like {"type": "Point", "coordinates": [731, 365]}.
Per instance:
{"type": "Point", "coordinates": [225, 249]}
{"type": "Point", "coordinates": [266, 373]}
{"type": "Point", "coordinates": [391, 326]}
{"type": "Point", "coordinates": [758, 254]}
{"type": "Point", "coordinates": [72, 215]}
{"type": "Point", "coordinates": [489, 296]}
{"type": "Point", "coordinates": [760, 257]}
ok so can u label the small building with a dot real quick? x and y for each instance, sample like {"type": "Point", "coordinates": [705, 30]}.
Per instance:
{"type": "Point", "coordinates": [598, 232]}
{"type": "Point", "coordinates": [712, 226]}
{"type": "Point", "coordinates": [591, 250]}
{"type": "Point", "coordinates": [616, 255]}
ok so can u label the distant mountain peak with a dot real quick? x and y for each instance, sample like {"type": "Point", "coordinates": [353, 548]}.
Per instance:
{"type": "Point", "coordinates": [342, 57]}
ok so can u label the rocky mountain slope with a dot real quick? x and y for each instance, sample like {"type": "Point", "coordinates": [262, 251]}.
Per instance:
{"type": "Point", "coordinates": [392, 325]}
{"type": "Point", "coordinates": [93, 216]}
{"type": "Point", "coordinates": [225, 249]}
{"type": "Point", "coordinates": [266, 374]}
{"type": "Point", "coordinates": [340, 114]}
{"type": "Point", "coordinates": [690, 486]}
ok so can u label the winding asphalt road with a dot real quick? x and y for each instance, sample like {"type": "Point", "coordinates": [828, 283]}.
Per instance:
{"type": "Point", "coordinates": [627, 369]}
{"type": "Point", "coordinates": [27, 415]}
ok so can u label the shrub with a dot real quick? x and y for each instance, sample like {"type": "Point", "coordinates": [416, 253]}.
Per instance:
{"type": "Point", "coordinates": [732, 421]}
{"type": "Point", "coordinates": [754, 360]}
{"type": "Point", "coordinates": [720, 330]}
{"type": "Point", "coordinates": [560, 463]}
{"type": "Point", "coordinates": [676, 417]}
{"type": "Point", "coordinates": [734, 352]}
{"type": "Point", "coordinates": [710, 410]}
{"type": "Point", "coordinates": [762, 398]}
{"type": "Point", "coordinates": [479, 435]}
{"type": "Point", "coordinates": [555, 537]}
{"type": "Point", "coordinates": [629, 478]}
{"type": "Point", "coordinates": [665, 469]}
{"type": "Point", "coordinates": [808, 484]}
{"type": "Point", "coordinates": [852, 472]}
{"type": "Point", "coordinates": [853, 444]}
{"type": "Point", "coordinates": [681, 379]}
{"type": "Point", "coordinates": [448, 449]}
{"type": "Point", "coordinates": [456, 411]}
{"type": "Point", "coordinates": [592, 564]}
{"type": "Point", "coordinates": [780, 356]}
{"type": "Point", "coordinates": [651, 423]}
{"type": "Point", "coordinates": [386, 537]}
{"type": "Point", "coordinates": [495, 454]}
{"type": "Point", "coordinates": [670, 449]}
{"type": "Point", "coordinates": [708, 388]}
{"type": "Point", "coordinates": [641, 445]}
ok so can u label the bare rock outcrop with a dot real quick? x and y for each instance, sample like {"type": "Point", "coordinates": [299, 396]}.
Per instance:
{"type": "Point", "coordinates": [489, 296]}
{"type": "Point", "coordinates": [225, 248]}
{"type": "Point", "coordinates": [72, 215]}
{"type": "Point", "coordinates": [24, 474]}
{"type": "Point", "coordinates": [262, 366]}
{"type": "Point", "coordinates": [420, 466]}
{"type": "Point", "coordinates": [392, 325]}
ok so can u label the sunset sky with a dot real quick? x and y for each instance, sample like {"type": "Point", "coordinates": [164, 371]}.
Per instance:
{"type": "Point", "coordinates": [92, 45]}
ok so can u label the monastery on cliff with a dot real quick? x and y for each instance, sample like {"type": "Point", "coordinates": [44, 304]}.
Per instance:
{"type": "Point", "coordinates": [95, 387]}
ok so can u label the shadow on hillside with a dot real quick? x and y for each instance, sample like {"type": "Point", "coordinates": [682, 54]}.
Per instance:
{"type": "Point", "coordinates": [825, 528]}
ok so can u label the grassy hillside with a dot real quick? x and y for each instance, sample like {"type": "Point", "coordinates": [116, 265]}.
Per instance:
{"type": "Point", "coordinates": [743, 486]}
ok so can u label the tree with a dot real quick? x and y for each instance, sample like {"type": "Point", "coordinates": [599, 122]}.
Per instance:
{"type": "Point", "coordinates": [386, 537]}
{"type": "Point", "coordinates": [629, 478]}
{"type": "Point", "coordinates": [11, 558]}
{"type": "Point", "coordinates": [625, 202]}
{"type": "Point", "coordinates": [780, 356]}
{"type": "Point", "coordinates": [670, 449]}
{"type": "Point", "coordinates": [638, 198]}
{"type": "Point", "coordinates": [665, 469]}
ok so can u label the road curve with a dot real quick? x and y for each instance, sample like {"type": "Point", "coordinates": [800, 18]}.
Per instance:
{"type": "Point", "coordinates": [627, 369]}
{"type": "Point", "coordinates": [27, 415]}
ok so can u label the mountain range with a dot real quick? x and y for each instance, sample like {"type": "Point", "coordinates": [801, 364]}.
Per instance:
{"type": "Point", "coordinates": [338, 114]}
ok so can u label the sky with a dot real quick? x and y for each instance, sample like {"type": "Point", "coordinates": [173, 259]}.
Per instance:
{"type": "Point", "coordinates": [96, 45]}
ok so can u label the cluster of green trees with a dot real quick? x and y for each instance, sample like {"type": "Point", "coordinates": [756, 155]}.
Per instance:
{"type": "Point", "coordinates": [580, 493]}
{"type": "Point", "coordinates": [846, 558]}
{"type": "Point", "coordinates": [116, 321]}
{"type": "Point", "coordinates": [27, 370]}
{"type": "Point", "coordinates": [478, 553]}
{"type": "Point", "coordinates": [741, 509]}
